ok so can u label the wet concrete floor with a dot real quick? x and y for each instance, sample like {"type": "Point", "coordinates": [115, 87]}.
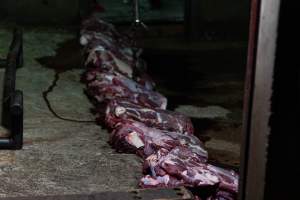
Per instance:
{"type": "Point", "coordinates": [69, 157]}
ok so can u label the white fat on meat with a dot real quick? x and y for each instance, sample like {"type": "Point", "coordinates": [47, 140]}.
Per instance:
{"type": "Point", "coordinates": [134, 139]}
{"type": "Point", "coordinates": [150, 181]}
{"type": "Point", "coordinates": [119, 111]}
{"type": "Point", "coordinates": [84, 40]}
{"type": "Point", "coordinates": [124, 67]}
{"type": "Point", "coordinates": [205, 177]}
{"type": "Point", "coordinates": [92, 57]}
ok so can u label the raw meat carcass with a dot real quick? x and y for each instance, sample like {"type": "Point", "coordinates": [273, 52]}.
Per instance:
{"type": "Point", "coordinates": [109, 36]}
{"type": "Point", "coordinates": [173, 155]}
{"type": "Point", "coordinates": [165, 181]}
{"type": "Point", "coordinates": [96, 25]}
{"type": "Point", "coordinates": [228, 179]}
{"type": "Point", "coordinates": [144, 79]}
{"type": "Point", "coordinates": [120, 110]}
{"type": "Point", "coordinates": [99, 37]}
{"type": "Point", "coordinates": [224, 195]}
{"type": "Point", "coordinates": [105, 61]}
{"type": "Point", "coordinates": [108, 50]}
{"type": "Point", "coordinates": [189, 171]}
{"type": "Point", "coordinates": [134, 136]}
{"type": "Point", "coordinates": [106, 86]}
{"type": "Point", "coordinates": [101, 42]}
{"type": "Point", "coordinates": [183, 163]}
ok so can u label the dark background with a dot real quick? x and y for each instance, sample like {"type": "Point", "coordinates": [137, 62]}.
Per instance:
{"type": "Point", "coordinates": [283, 152]}
{"type": "Point", "coordinates": [230, 16]}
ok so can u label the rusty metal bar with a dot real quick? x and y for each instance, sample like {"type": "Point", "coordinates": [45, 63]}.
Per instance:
{"type": "Point", "coordinates": [257, 107]}
{"type": "Point", "coordinates": [248, 93]}
{"type": "Point", "coordinates": [12, 105]}
{"type": "Point", "coordinates": [14, 60]}
{"type": "Point", "coordinates": [15, 141]}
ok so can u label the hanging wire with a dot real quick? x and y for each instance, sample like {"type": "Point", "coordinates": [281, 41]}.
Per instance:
{"type": "Point", "coordinates": [137, 27]}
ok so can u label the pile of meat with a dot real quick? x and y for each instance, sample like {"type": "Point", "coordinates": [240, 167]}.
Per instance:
{"type": "Point", "coordinates": [127, 104]}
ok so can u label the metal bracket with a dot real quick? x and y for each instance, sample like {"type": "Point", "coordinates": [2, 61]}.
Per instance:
{"type": "Point", "coordinates": [12, 105]}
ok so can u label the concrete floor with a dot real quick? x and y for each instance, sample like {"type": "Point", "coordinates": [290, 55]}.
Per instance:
{"type": "Point", "coordinates": [62, 157]}
{"type": "Point", "coordinates": [59, 157]}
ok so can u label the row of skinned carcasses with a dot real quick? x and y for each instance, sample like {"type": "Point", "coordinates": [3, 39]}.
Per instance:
{"type": "Point", "coordinates": [127, 104]}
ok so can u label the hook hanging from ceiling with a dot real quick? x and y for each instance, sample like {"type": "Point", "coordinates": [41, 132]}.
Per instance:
{"type": "Point", "coordinates": [137, 19]}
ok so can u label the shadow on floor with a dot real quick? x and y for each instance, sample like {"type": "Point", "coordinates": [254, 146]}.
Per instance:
{"type": "Point", "coordinates": [67, 57]}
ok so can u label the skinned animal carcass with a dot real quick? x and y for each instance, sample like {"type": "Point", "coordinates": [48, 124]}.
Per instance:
{"type": "Point", "coordinates": [107, 86]}
{"type": "Point", "coordinates": [184, 166]}
{"type": "Point", "coordinates": [131, 137]}
{"type": "Point", "coordinates": [123, 110]}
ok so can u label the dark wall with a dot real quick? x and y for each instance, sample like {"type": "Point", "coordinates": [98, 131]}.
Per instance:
{"type": "Point", "coordinates": [225, 18]}
{"type": "Point", "coordinates": [221, 16]}
{"type": "Point", "coordinates": [283, 148]}
{"type": "Point", "coordinates": [40, 11]}
{"type": "Point", "coordinates": [224, 10]}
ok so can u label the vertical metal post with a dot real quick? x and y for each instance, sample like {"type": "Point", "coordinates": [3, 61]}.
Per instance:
{"type": "Point", "coordinates": [248, 93]}
{"type": "Point", "coordinates": [257, 107]}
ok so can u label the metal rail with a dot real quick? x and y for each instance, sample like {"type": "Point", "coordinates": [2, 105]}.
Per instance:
{"type": "Point", "coordinates": [12, 105]}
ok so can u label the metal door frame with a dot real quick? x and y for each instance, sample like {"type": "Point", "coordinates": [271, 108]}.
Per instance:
{"type": "Point", "coordinates": [257, 100]}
